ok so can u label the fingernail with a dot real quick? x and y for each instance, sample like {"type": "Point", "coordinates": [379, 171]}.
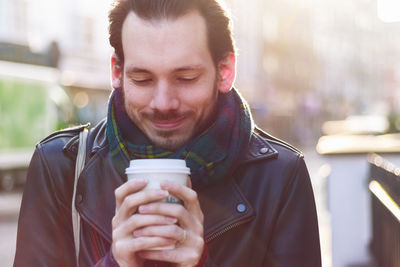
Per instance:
{"type": "Point", "coordinates": [165, 184]}
{"type": "Point", "coordinates": [139, 181]}
{"type": "Point", "coordinates": [172, 220]}
{"type": "Point", "coordinates": [162, 193]}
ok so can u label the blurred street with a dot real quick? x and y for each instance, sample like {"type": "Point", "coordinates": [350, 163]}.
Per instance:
{"type": "Point", "coordinates": [9, 208]}
{"type": "Point", "coordinates": [10, 203]}
{"type": "Point", "coordinates": [319, 171]}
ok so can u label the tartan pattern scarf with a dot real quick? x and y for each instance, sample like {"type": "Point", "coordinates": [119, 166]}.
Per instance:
{"type": "Point", "coordinates": [210, 156]}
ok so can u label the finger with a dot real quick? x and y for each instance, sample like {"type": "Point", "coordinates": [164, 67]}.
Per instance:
{"type": "Point", "coordinates": [138, 221]}
{"type": "Point", "coordinates": [131, 202]}
{"type": "Point", "coordinates": [187, 195]}
{"type": "Point", "coordinates": [181, 256]}
{"type": "Point", "coordinates": [172, 231]}
{"type": "Point", "coordinates": [186, 220]}
{"type": "Point", "coordinates": [131, 245]}
{"type": "Point", "coordinates": [130, 187]}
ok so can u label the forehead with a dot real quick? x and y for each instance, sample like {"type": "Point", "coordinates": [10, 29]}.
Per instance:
{"type": "Point", "coordinates": [165, 43]}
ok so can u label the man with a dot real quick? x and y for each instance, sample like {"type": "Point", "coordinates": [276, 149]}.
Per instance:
{"type": "Point", "coordinates": [249, 201]}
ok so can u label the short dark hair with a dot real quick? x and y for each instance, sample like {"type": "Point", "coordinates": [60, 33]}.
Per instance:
{"type": "Point", "coordinates": [219, 25]}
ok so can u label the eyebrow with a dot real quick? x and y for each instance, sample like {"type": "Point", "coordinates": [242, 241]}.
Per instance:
{"type": "Point", "coordinates": [188, 68]}
{"type": "Point", "coordinates": [136, 70]}
{"type": "Point", "coordinates": [131, 70]}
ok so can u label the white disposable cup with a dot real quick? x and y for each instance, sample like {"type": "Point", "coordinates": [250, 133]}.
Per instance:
{"type": "Point", "coordinates": [154, 171]}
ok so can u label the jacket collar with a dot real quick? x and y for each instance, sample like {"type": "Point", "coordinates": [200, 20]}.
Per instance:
{"type": "Point", "coordinates": [96, 141]}
{"type": "Point", "coordinates": [259, 148]}
{"type": "Point", "coordinates": [99, 179]}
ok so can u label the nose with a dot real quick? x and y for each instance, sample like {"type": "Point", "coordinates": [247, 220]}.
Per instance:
{"type": "Point", "coordinates": [165, 98]}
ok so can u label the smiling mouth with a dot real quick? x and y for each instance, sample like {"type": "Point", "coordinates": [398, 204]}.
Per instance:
{"type": "Point", "coordinates": [168, 124]}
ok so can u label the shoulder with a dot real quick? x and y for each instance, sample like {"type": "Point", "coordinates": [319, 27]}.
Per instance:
{"type": "Point", "coordinates": [51, 167]}
{"type": "Point", "coordinates": [52, 146]}
{"type": "Point", "coordinates": [64, 134]}
{"type": "Point", "coordinates": [273, 172]}
{"type": "Point", "coordinates": [277, 144]}
{"type": "Point", "coordinates": [266, 148]}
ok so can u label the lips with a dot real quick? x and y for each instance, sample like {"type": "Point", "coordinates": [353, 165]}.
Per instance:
{"type": "Point", "coordinates": [168, 124]}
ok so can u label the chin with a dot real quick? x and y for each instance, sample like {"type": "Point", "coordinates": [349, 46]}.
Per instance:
{"type": "Point", "coordinates": [170, 144]}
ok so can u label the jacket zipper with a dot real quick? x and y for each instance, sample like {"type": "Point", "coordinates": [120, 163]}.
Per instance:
{"type": "Point", "coordinates": [226, 229]}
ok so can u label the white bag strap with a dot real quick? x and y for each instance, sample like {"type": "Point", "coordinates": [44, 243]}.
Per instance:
{"type": "Point", "coordinates": [79, 165]}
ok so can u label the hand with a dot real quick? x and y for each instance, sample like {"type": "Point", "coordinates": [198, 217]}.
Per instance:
{"type": "Point", "coordinates": [188, 234]}
{"type": "Point", "coordinates": [128, 198]}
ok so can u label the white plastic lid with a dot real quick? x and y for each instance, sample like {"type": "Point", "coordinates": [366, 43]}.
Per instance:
{"type": "Point", "coordinates": [157, 166]}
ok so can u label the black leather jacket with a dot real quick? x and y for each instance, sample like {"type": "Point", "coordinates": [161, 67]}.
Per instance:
{"type": "Point", "coordinates": [264, 215]}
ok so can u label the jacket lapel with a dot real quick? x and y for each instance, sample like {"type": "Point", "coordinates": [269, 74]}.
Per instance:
{"type": "Point", "coordinates": [223, 204]}
{"type": "Point", "coordinates": [224, 207]}
{"type": "Point", "coordinates": [96, 187]}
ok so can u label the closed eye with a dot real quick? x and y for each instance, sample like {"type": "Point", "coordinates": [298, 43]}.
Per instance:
{"type": "Point", "coordinates": [188, 79]}
{"type": "Point", "coordinates": [141, 81]}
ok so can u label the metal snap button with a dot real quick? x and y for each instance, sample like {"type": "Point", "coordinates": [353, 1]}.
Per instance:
{"type": "Point", "coordinates": [241, 208]}
{"type": "Point", "coordinates": [264, 150]}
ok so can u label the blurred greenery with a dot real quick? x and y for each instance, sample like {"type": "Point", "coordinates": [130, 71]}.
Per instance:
{"type": "Point", "coordinates": [22, 113]}
{"type": "Point", "coordinates": [394, 122]}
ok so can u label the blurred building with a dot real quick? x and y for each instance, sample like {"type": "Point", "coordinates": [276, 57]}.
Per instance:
{"type": "Point", "coordinates": [299, 62]}
{"type": "Point", "coordinates": [360, 56]}
{"type": "Point", "coordinates": [72, 34]}
{"type": "Point", "coordinates": [277, 65]}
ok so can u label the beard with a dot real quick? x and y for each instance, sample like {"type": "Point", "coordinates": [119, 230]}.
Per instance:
{"type": "Point", "coordinates": [172, 140]}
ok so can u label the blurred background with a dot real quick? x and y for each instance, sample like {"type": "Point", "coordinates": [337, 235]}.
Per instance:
{"type": "Point", "coordinates": [322, 75]}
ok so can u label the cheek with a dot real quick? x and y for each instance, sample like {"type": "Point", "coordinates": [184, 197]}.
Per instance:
{"type": "Point", "coordinates": [194, 100]}
{"type": "Point", "coordinates": [204, 98]}
{"type": "Point", "coordinates": [204, 94]}
{"type": "Point", "coordinates": [201, 104]}
{"type": "Point", "coordinates": [134, 99]}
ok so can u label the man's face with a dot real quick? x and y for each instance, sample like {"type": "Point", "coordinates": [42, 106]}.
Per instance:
{"type": "Point", "coordinates": [169, 79]}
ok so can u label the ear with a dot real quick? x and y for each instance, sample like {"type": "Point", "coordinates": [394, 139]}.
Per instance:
{"type": "Point", "coordinates": [116, 72]}
{"type": "Point", "coordinates": [227, 73]}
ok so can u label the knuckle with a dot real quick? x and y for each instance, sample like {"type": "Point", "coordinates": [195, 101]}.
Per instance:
{"type": "Point", "coordinates": [114, 235]}
{"type": "Point", "coordinates": [197, 241]}
{"type": "Point", "coordinates": [114, 222]}
{"type": "Point", "coordinates": [199, 228]}
{"type": "Point", "coordinates": [200, 242]}
{"type": "Point", "coordinates": [130, 200]}
{"type": "Point", "coordinates": [193, 257]}
{"type": "Point", "coordinates": [118, 193]}
{"type": "Point", "coordinates": [201, 218]}
{"type": "Point", "coordinates": [199, 231]}
{"type": "Point", "coordinates": [134, 221]}
{"type": "Point", "coordinates": [180, 211]}
{"type": "Point", "coordinates": [192, 196]}
{"type": "Point", "coordinates": [134, 246]}
{"type": "Point", "coordinates": [119, 247]}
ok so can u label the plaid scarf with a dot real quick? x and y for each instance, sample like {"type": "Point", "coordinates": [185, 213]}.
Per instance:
{"type": "Point", "coordinates": [210, 156]}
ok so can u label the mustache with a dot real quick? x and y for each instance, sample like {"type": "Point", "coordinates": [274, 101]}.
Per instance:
{"type": "Point", "coordinates": [165, 116]}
